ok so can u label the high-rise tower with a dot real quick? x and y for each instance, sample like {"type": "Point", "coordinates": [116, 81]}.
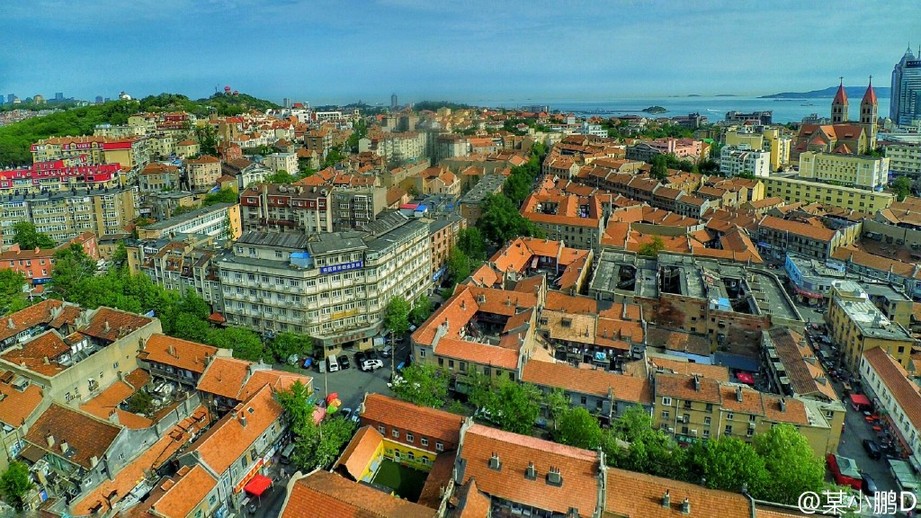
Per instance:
{"type": "Point", "coordinates": [839, 105]}
{"type": "Point", "coordinates": [869, 113]}
{"type": "Point", "coordinates": [905, 97]}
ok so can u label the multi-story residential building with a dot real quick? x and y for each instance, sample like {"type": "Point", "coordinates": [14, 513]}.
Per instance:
{"type": "Point", "coordinates": [566, 268]}
{"type": "Point", "coordinates": [283, 207]}
{"type": "Point", "coordinates": [187, 149]}
{"type": "Point", "coordinates": [858, 171]}
{"type": "Point", "coordinates": [763, 118]}
{"type": "Point", "coordinates": [767, 139]}
{"type": "Point", "coordinates": [286, 162]}
{"type": "Point", "coordinates": [776, 237]}
{"type": "Point", "coordinates": [578, 221]}
{"type": "Point", "coordinates": [856, 325]}
{"type": "Point", "coordinates": [354, 207]}
{"type": "Point", "coordinates": [793, 190]}
{"type": "Point", "coordinates": [436, 180]}
{"type": "Point", "coordinates": [904, 158]}
{"type": "Point", "coordinates": [906, 275]}
{"type": "Point", "coordinates": [905, 106]}
{"type": "Point", "coordinates": [738, 160]}
{"type": "Point", "coordinates": [158, 177]}
{"type": "Point", "coordinates": [65, 215]}
{"type": "Point", "coordinates": [400, 147]}
{"type": "Point", "coordinates": [682, 148]}
{"type": "Point", "coordinates": [319, 140]}
{"type": "Point", "coordinates": [885, 381]}
{"type": "Point", "coordinates": [443, 233]}
{"type": "Point", "coordinates": [333, 286]}
{"type": "Point", "coordinates": [891, 301]}
{"type": "Point", "coordinates": [202, 172]}
{"type": "Point", "coordinates": [471, 203]}
{"type": "Point", "coordinates": [175, 360]}
{"type": "Point", "coordinates": [130, 153]}
{"type": "Point", "coordinates": [221, 220]}
{"type": "Point", "coordinates": [450, 145]}
{"type": "Point", "coordinates": [811, 279]}
{"type": "Point", "coordinates": [237, 448]}
{"type": "Point", "coordinates": [180, 266]}
{"type": "Point", "coordinates": [692, 408]}
{"type": "Point", "coordinates": [36, 265]}
{"type": "Point", "coordinates": [60, 175]}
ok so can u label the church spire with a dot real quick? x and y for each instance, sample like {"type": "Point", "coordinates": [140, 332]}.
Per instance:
{"type": "Point", "coordinates": [839, 105]}
{"type": "Point", "coordinates": [870, 95]}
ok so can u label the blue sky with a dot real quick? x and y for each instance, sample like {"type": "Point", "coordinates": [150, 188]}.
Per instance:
{"type": "Point", "coordinates": [465, 50]}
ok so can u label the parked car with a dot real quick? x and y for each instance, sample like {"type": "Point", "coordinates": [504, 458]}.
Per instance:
{"type": "Point", "coordinates": [371, 365]}
{"type": "Point", "coordinates": [332, 364]}
{"type": "Point", "coordinates": [387, 351]}
{"type": "Point", "coordinates": [293, 359]}
{"type": "Point", "coordinates": [360, 357]}
{"type": "Point", "coordinates": [346, 413]}
{"type": "Point", "coordinates": [371, 354]}
{"type": "Point", "coordinates": [873, 449]}
{"type": "Point", "coordinates": [344, 362]}
{"type": "Point", "coordinates": [868, 486]}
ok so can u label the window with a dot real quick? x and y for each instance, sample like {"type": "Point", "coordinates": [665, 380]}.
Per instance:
{"type": "Point", "coordinates": [707, 421]}
{"type": "Point", "coordinates": [751, 418]}
{"type": "Point", "coordinates": [583, 400]}
{"type": "Point", "coordinates": [665, 414]}
{"type": "Point", "coordinates": [423, 441]}
{"type": "Point", "coordinates": [667, 401]}
{"type": "Point", "coordinates": [409, 437]}
{"type": "Point", "coordinates": [439, 446]}
{"type": "Point", "coordinates": [687, 404]}
{"type": "Point", "coordinates": [728, 429]}
{"type": "Point", "coordinates": [730, 416]}
{"type": "Point", "coordinates": [395, 433]}
{"type": "Point", "coordinates": [381, 429]}
{"type": "Point", "coordinates": [410, 455]}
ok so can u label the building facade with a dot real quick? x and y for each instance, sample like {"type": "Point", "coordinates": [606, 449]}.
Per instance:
{"type": "Point", "coordinates": [794, 190]}
{"type": "Point", "coordinates": [853, 171]}
{"type": "Point", "coordinates": [65, 215]}
{"type": "Point", "coordinates": [738, 160]}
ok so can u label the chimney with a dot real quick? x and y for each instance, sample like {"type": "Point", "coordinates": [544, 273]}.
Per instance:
{"type": "Point", "coordinates": [10, 323]}
{"type": "Point", "coordinates": [739, 394]}
{"type": "Point", "coordinates": [554, 478]}
{"type": "Point", "coordinates": [243, 420]}
{"type": "Point", "coordinates": [686, 506]}
{"type": "Point", "coordinates": [783, 405]}
{"type": "Point", "coordinates": [107, 327]}
{"type": "Point", "coordinates": [463, 304]}
{"type": "Point", "coordinates": [494, 462]}
{"type": "Point", "coordinates": [697, 383]}
{"type": "Point", "coordinates": [530, 472]}
{"type": "Point", "coordinates": [50, 439]}
{"type": "Point", "coordinates": [94, 460]}
{"type": "Point", "coordinates": [666, 499]}
{"type": "Point", "coordinates": [64, 447]}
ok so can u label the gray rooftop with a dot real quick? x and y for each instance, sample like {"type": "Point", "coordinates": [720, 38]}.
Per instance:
{"type": "Point", "coordinates": [884, 290]}
{"type": "Point", "coordinates": [486, 186]}
{"type": "Point", "coordinates": [322, 244]}
{"type": "Point", "coordinates": [188, 216]}
{"type": "Point", "coordinates": [291, 240]}
{"type": "Point", "coordinates": [396, 235]}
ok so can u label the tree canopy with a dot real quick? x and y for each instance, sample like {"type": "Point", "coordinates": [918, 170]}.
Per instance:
{"type": "Point", "coordinates": [792, 468]}
{"type": "Point", "coordinates": [221, 196]}
{"type": "Point", "coordinates": [422, 384]}
{"type": "Point", "coordinates": [315, 446]}
{"type": "Point", "coordinates": [577, 427]}
{"type": "Point", "coordinates": [422, 308]}
{"type": "Point", "coordinates": [12, 296]}
{"type": "Point", "coordinates": [287, 344]}
{"type": "Point", "coordinates": [501, 222]}
{"type": "Point", "coordinates": [15, 482]}
{"type": "Point", "coordinates": [28, 238]}
{"type": "Point", "coordinates": [72, 268]}
{"type": "Point", "coordinates": [396, 316]}
{"type": "Point", "coordinates": [902, 187]}
{"type": "Point", "coordinates": [512, 406]}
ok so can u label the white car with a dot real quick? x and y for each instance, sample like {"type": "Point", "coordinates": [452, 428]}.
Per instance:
{"type": "Point", "coordinates": [371, 365]}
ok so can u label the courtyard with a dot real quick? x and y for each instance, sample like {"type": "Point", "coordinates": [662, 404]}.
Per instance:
{"type": "Point", "coordinates": [405, 482]}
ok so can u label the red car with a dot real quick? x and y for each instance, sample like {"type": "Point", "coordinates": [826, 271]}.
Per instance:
{"type": "Point", "coordinates": [845, 471]}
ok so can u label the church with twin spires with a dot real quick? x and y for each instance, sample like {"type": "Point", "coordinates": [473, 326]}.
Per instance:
{"type": "Point", "coordinates": [842, 136]}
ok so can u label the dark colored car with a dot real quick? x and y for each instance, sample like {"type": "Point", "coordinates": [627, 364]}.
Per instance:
{"type": "Point", "coordinates": [868, 486]}
{"type": "Point", "coordinates": [344, 362]}
{"type": "Point", "coordinates": [873, 449]}
{"type": "Point", "coordinates": [371, 354]}
{"type": "Point", "coordinates": [360, 356]}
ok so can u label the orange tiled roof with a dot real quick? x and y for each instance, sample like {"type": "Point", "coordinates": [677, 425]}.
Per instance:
{"type": "Point", "coordinates": [588, 381]}
{"type": "Point", "coordinates": [715, 372]}
{"type": "Point", "coordinates": [431, 422]}
{"type": "Point", "coordinates": [895, 377]}
{"type": "Point", "coordinates": [637, 495]}
{"type": "Point", "coordinates": [224, 377]}
{"type": "Point", "coordinates": [578, 469]}
{"type": "Point", "coordinates": [326, 494]}
{"type": "Point", "coordinates": [107, 401]}
{"type": "Point", "coordinates": [29, 317]}
{"type": "Point", "coordinates": [683, 387]}
{"type": "Point", "coordinates": [360, 451]}
{"type": "Point", "coordinates": [181, 354]}
{"type": "Point", "coordinates": [112, 324]}
{"type": "Point", "coordinates": [478, 353]}
{"type": "Point", "coordinates": [86, 436]}
{"type": "Point", "coordinates": [40, 354]}
{"type": "Point", "coordinates": [192, 486]}
{"type": "Point", "coordinates": [15, 405]}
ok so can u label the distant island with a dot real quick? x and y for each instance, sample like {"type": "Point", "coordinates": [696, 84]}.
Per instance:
{"type": "Point", "coordinates": [852, 91]}
{"type": "Point", "coordinates": [655, 109]}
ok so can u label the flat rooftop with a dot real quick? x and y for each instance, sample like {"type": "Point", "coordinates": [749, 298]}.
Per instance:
{"type": "Point", "coordinates": [188, 216]}
{"type": "Point", "coordinates": [871, 320]}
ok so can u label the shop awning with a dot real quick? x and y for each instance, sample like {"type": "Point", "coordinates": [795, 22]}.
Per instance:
{"type": "Point", "coordinates": [859, 400]}
{"type": "Point", "coordinates": [746, 378]}
{"type": "Point", "coordinates": [257, 485]}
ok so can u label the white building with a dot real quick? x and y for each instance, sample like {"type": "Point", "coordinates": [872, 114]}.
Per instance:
{"type": "Point", "coordinates": [742, 159]}
{"type": "Point", "coordinates": [904, 158]}
{"type": "Point", "coordinates": [286, 162]}
{"type": "Point", "coordinates": [593, 129]}
{"type": "Point", "coordinates": [333, 287]}
{"type": "Point", "coordinates": [398, 147]}
{"type": "Point", "coordinates": [896, 398]}
{"type": "Point", "coordinates": [851, 170]}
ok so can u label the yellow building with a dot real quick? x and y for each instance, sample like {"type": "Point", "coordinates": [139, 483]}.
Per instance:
{"type": "Point", "coordinates": [694, 408]}
{"type": "Point", "coordinates": [856, 325]}
{"type": "Point", "coordinates": [860, 171]}
{"type": "Point", "coordinates": [769, 139]}
{"type": "Point", "coordinates": [793, 190]}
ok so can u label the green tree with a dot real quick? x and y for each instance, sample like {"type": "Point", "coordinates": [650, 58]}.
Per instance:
{"type": "Point", "coordinates": [139, 403]}
{"type": "Point", "coordinates": [12, 296]}
{"type": "Point", "coordinates": [659, 167]}
{"type": "Point", "coordinates": [282, 177]}
{"type": "Point", "coordinates": [422, 308]}
{"type": "Point", "coordinates": [902, 187]}
{"type": "Point", "coordinates": [792, 467]}
{"type": "Point", "coordinates": [577, 427]}
{"type": "Point", "coordinates": [396, 316]}
{"type": "Point", "coordinates": [221, 196]}
{"type": "Point", "coordinates": [72, 267]}
{"type": "Point", "coordinates": [557, 403]}
{"type": "Point", "coordinates": [459, 265]}
{"type": "Point", "coordinates": [517, 186]}
{"type": "Point", "coordinates": [501, 222]}
{"type": "Point", "coordinates": [632, 423]}
{"type": "Point", "coordinates": [15, 483]}
{"type": "Point", "coordinates": [513, 406]}
{"type": "Point", "coordinates": [422, 384]}
{"type": "Point", "coordinates": [206, 136]}
{"type": "Point", "coordinates": [652, 248]}
{"type": "Point", "coordinates": [190, 327]}
{"type": "Point", "coordinates": [471, 242]}
{"type": "Point", "coordinates": [648, 450]}
{"type": "Point", "coordinates": [727, 463]}
{"type": "Point", "coordinates": [297, 405]}
{"type": "Point", "coordinates": [245, 343]}
{"type": "Point", "coordinates": [317, 446]}
{"type": "Point", "coordinates": [289, 344]}
{"type": "Point", "coordinates": [28, 238]}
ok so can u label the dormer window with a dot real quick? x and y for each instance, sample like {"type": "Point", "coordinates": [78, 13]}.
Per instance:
{"type": "Point", "coordinates": [554, 478]}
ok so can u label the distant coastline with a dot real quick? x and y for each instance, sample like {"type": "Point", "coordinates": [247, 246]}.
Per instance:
{"type": "Point", "coordinates": [852, 91]}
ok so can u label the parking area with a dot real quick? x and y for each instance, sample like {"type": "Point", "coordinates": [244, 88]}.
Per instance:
{"type": "Point", "coordinates": [856, 429]}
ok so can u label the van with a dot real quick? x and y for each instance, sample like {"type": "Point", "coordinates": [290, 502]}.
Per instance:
{"type": "Point", "coordinates": [333, 364]}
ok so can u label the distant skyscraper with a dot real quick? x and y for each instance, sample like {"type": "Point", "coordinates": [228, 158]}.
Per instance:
{"type": "Point", "coordinates": [393, 102]}
{"type": "Point", "coordinates": [286, 102]}
{"type": "Point", "coordinates": [59, 96]}
{"type": "Point", "coordinates": [99, 99]}
{"type": "Point", "coordinates": [905, 96]}
{"type": "Point", "coordinates": [10, 97]}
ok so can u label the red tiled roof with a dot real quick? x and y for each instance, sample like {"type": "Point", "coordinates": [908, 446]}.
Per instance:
{"type": "Point", "coordinates": [15, 405]}
{"type": "Point", "coordinates": [578, 470]}
{"type": "Point", "coordinates": [329, 495]}
{"type": "Point", "coordinates": [895, 378]}
{"type": "Point", "coordinates": [430, 422]}
{"type": "Point", "coordinates": [85, 436]}
{"type": "Point", "coordinates": [112, 324]}
{"type": "Point", "coordinates": [181, 498]}
{"type": "Point", "coordinates": [29, 317]}
{"type": "Point", "coordinates": [637, 495]}
{"type": "Point", "coordinates": [360, 452]}
{"type": "Point", "coordinates": [588, 381]}
{"type": "Point", "coordinates": [182, 354]}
